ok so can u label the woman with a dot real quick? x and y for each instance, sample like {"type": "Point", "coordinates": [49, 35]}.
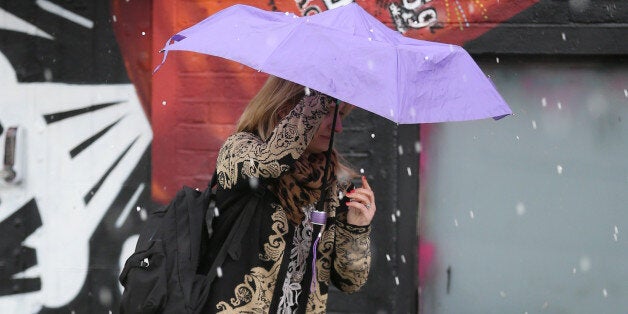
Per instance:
{"type": "Point", "coordinates": [277, 156]}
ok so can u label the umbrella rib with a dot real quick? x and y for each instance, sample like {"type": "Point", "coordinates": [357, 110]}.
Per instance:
{"type": "Point", "coordinates": [397, 95]}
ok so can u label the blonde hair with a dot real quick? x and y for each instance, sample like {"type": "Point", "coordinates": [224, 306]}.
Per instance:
{"type": "Point", "coordinates": [272, 102]}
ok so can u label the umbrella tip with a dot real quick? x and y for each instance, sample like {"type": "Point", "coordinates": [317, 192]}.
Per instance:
{"type": "Point", "coordinates": [501, 117]}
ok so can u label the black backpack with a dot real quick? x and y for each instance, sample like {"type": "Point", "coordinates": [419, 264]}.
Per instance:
{"type": "Point", "coordinates": [170, 270]}
{"type": "Point", "coordinates": [161, 275]}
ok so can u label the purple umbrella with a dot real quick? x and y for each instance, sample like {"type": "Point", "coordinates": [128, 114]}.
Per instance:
{"type": "Point", "coordinates": [350, 55]}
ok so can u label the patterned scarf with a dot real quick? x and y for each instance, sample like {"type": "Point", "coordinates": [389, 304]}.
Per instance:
{"type": "Point", "coordinates": [302, 185]}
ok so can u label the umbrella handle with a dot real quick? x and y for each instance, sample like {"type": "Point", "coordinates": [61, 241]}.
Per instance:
{"type": "Point", "coordinates": [321, 202]}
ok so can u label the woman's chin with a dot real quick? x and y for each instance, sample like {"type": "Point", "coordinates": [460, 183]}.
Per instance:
{"type": "Point", "coordinates": [315, 149]}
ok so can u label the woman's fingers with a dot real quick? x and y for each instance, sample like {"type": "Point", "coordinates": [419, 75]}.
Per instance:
{"type": "Point", "coordinates": [359, 196]}
{"type": "Point", "coordinates": [365, 183]}
{"type": "Point", "coordinates": [361, 204]}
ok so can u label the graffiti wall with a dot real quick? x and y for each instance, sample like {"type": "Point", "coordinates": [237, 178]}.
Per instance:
{"type": "Point", "coordinates": [90, 140]}
{"type": "Point", "coordinates": [75, 146]}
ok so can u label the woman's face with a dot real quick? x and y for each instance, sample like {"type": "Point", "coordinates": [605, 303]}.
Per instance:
{"type": "Point", "coordinates": [320, 141]}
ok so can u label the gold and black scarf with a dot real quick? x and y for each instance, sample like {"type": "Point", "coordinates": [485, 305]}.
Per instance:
{"type": "Point", "coordinates": [301, 186]}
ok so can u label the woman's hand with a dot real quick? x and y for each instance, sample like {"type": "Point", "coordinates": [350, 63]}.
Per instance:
{"type": "Point", "coordinates": [361, 205]}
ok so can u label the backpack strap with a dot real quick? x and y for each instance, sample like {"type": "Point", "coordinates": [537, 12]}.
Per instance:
{"type": "Point", "coordinates": [214, 181]}
{"type": "Point", "coordinates": [212, 210]}
{"type": "Point", "coordinates": [232, 245]}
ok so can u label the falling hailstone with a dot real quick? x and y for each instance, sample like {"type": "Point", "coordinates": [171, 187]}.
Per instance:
{"type": "Point", "coordinates": [396, 280]}
{"type": "Point", "coordinates": [409, 171]}
{"type": "Point", "coordinates": [398, 213]}
{"type": "Point", "coordinates": [521, 209]}
{"type": "Point", "coordinates": [471, 214]}
{"type": "Point", "coordinates": [143, 215]}
{"type": "Point", "coordinates": [307, 91]}
{"type": "Point", "coordinates": [388, 257]}
{"type": "Point", "coordinates": [105, 296]}
{"type": "Point", "coordinates": [143, 33]}
{"type": "Point", "coordinates": [219, 272]}
{"type": "Point", "coordinates": [216, 212]}
{"type": "Point", "coordinates": [400, 150]}
{"type": "Point", "coordinates": [456, 222]}
{"type": "Point", "coordinates": [403, 259]}
{"type": "Point", "coordinates": [559, 105]}
{"type": "Point", "coordinates": [497, 59]}
{"type": "Point", "coordinates": [393, 218]}
{"type": "Point", "coordinates": [544, 102]}
{"type": "Point", "coordinates": [604, 292]}
{"type": "Point", "coordinates": [502, 294]}
{"type": "Point", "coordinates": [616, 232]}
{"type": "Point", "coordinates": [47, 74]}
{"type": "Point", "coordinates": [115, 19]}
{"type": "Point", "coordinates": [341, 195]}
{"type": "Point", "coordinates": [559, 169]}
{"type": "Point", "coordinates": [573, 271]}
{"type": "Point", "coordinates": [585, 264]}
{"type": "Point", "coordinates": [362, 170]}
{"type": "Point", "coordinates": [626, 93]}
{"type": "Point", "coordinates": [417, 147]}
{"type": "Point", "coordinates": [564, 36]}
{"type": "Point", "coordinates": [253, 182]}
{"type": "Point", "coordinates": [163, 103]}
{"type": "Point", "coordinates": [372, 135]}
{"type": "Point", "coordinates": [534, 124]}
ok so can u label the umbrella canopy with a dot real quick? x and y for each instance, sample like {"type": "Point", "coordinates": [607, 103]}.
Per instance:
{"type": "Point", "coordinates": [350, 55]}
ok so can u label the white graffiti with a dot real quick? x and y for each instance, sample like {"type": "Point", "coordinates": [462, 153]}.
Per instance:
{"type": "Point", "coordinates": [75, 147]}
{"type": "Point", "coordinates": [413, 14]}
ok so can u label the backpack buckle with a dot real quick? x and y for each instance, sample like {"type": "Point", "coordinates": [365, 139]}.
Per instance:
{"type": "Point", "coordinates": [145, 262]}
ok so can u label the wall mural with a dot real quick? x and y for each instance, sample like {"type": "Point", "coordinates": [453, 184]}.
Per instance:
{"type": "Point", "coordinates": [75, 155]}
{"type": "Point", "coordinates": [75, 141]}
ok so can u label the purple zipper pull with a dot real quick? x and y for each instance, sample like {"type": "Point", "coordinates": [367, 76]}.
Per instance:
{"type": "Point", "coordinates": [318, 218]}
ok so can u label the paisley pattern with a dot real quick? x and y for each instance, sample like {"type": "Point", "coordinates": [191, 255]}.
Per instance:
{"type": "Point", "coordinates": [353, 257]}
{"type": "Point", "coordinates": [244, 155]}
{"type": "Point", "coordinates": [298, 262]}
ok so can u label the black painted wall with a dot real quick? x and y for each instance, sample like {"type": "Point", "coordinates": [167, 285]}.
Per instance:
{"type": "Point", "coordinates": [575, 27]}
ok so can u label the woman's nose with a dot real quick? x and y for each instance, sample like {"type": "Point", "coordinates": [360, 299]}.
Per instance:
{"type": "Point", "coordinates": [338, 128]}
